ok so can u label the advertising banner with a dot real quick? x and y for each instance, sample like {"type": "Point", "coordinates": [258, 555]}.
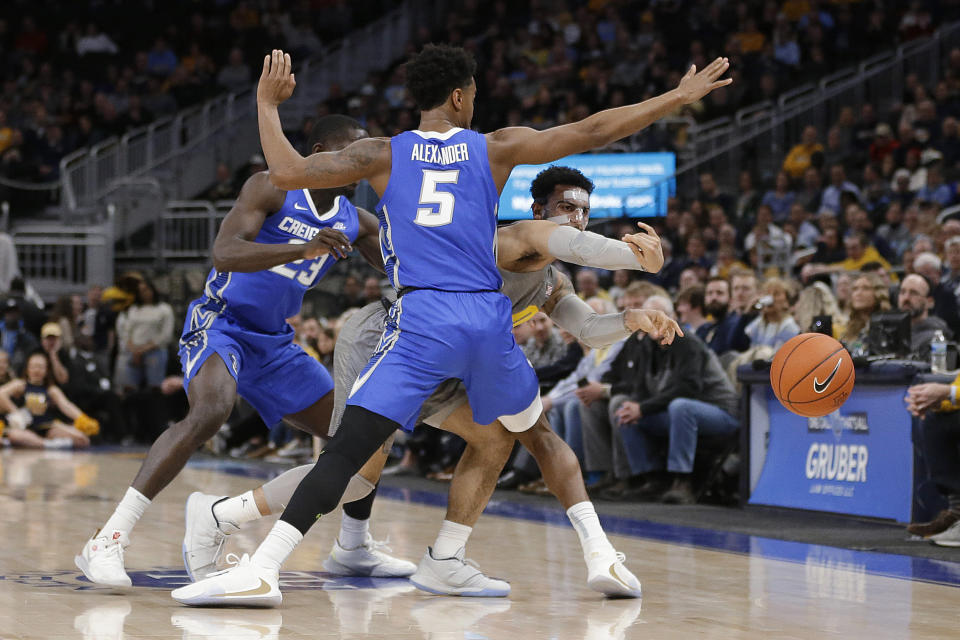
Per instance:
{"type": "Point", "coordinates": [626, 184]}
{"type": "Point", "coordinates": [858, 460]}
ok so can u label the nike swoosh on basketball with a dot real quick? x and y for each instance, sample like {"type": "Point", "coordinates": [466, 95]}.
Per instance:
{"type": "Point", "coordinates": [299, 207]}
{"type": "Point", "coordinates": [820, 387]}
{"type": "Point", "coordinates": [263, 589]}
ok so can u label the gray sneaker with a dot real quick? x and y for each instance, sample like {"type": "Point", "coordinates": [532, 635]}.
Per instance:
{"type": "Point", "coordinates": [456, 577]}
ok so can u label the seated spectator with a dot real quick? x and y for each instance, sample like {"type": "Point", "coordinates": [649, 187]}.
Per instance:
{"type": "Point", "coordinates": [588, 285]}
{"type": "Point", "coordinates": [14, 338]}
{"type": "Point", "coordinates": [799, 158]}
{"type": "Point", "coordinates": [372, 291]}
{"type": "Point", "coordinates": [868, 295]}
{"type": "Point", "coordinates": [812, 193]}
{"type": "Point", "coordinates": [935, 190]}
{"type": "Point", "coordinates": [710, 194]}
{"type": "Point", "coordinates": [774, 325]}
{"type": "Point", "coordinates": [895, 229]}
{"type": "Point", "coordinates": [548, 353]}
{"type": "Point", "coordinates": [351, 295]}
{"type": "Point", "coordinates": [766, 232]}
{"type": "Point", "coordinates": [951, 279]}
{"type": "Point", "coordinates": [806, 233]}
{"type": "Point", "coordinates": [679, 394]}
{"type": "Point", "coordinates": [725, 330]}
{"type": "Point", "coordinates": [562, 404]}
{"type": "Point", "coordinates": [690, 308]}
{"type": "Point", "coordinates": [621, 280]}
{"type": "Point", "coordinates": [224, 188]}
{"type": "Point", "coordinates": [938, 438]}
{"type": "Point", "coordinates": [884, 144]}
{"type": "Point", "coordinates": [859, 252]}
{"type": "Point", "coordinates": [780, 198]}
{"type": "Point", "coordinates": [817, 300]}
{"type": "Point", "coordinates": [690, 277]}
{"type": "Point", "coordinates": [34, 404]}
{"type": "Point", "coordinates": [839, 185]}
{"type": "Point", "coordinates": [945, 304]}
{"type": "Point", "coordinates": [902, 191]}
{"type": "Point", "coordinates": [743, 291]}
{"type": "Point", "coordinates": [916, 298]}
{"type": "Point", "coordinates": [235, 76]}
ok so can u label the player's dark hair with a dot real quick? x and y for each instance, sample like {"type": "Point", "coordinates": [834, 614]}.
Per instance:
{"type": "Point", "coordinates": [543, 185]}
{"type": "Point", "coordinates": [436, 71]}
{"type": "Point", "coordinates": [329, 128]}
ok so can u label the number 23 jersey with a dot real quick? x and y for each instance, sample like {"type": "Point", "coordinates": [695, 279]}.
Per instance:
{"type": "Point", "coordinates": [263, 300]}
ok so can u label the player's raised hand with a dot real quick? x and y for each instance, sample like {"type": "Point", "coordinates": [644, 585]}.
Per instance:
{"type": "Point", "coordinates": [646, 247]}
{"type": "Point", "coordinates": [276, 82]}
{"type": "Point", "coordinates": [327, 241]}
{"type": "Point", "coordinates": [694, 86]}
{"type": "Point", "coordinates": [659, 326]}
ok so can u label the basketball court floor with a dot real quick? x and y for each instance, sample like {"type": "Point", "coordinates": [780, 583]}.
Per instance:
{"type": "Point", "coordinates": [697, 583]}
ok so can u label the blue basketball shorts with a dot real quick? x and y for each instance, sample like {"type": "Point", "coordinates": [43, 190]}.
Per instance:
{"type": "Point", "coordinates": [273, 374]}
{"type": "Point", "coordinates": [431, 336]}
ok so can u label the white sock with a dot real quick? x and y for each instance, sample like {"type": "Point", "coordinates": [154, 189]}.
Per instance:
{"type": "Point", "coordinates": [238, 509]}
{"type": "Point", "coordinates": [127, 512]}
{"type": "Point", "coordinates": [585, 522]}
{"type": "Point", "coordinates": [452, 538]}
{"type": "Point", "coordinates": [279, 543]}
{"type": "Point", "coordinates": [353, 532]}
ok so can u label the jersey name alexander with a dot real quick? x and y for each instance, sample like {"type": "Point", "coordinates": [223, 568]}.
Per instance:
{"type": "Point", "coordinates": [440, 155]}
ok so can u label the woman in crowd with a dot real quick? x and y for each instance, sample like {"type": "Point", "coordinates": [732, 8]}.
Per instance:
{"type": "Point", "coordinates": [868, 295]}
{"type": "Point", "coordinates": [144, 332]}
{"type": "Point", "coordinates": [34, 405]}
{"type": "Point", "coordinates": [774, 325]}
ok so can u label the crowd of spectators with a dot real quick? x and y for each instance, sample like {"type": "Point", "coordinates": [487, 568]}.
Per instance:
{"type": "Point", "coordinates": [76, 73]}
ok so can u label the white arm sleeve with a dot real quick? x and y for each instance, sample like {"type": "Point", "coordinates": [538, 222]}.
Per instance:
{"type": "Point", "coordinates": [590, 249]}
{"type": "Point", "coordinates": [574, 315]}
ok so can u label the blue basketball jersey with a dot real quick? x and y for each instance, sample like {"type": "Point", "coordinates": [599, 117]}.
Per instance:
{"type": "Point", "coordinates": [263, 300]}
{"type": "Point", "coordinates": [438, 214]}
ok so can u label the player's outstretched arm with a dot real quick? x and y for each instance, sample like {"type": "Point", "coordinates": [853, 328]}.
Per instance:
{"type": "Point", "coordinates": [365, 159]}
{"type": "Point", "coordinates": [532, 244]}
{"type": "Point", "coordinates": [368, 240]}
{"type": "Point", "coordinates": [235, 249]}
{"type": "Point", "coordinates": [520, 145]}
{"type": "Point", "coordinates": [600, 330]}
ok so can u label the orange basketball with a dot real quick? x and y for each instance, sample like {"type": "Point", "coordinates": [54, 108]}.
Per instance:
{"type": "Point", "coordinates": [812, 375]}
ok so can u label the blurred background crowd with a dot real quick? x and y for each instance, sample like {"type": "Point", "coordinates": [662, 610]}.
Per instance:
{"type": "Point", "coordinates": [859, 217]}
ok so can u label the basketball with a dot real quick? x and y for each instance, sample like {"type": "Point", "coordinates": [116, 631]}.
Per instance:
{"type": "Point", "coordinates": [812, 375]}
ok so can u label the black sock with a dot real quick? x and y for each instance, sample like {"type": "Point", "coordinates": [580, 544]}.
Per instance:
{"type": "Point", "coordinates": [954, 502]}
{"type": "Point", "coordinates": [361, 433]}
{"type": "Point", "coordinates": [360, 509]}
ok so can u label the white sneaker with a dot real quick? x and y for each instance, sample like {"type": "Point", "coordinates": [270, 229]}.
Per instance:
{"type": "Point", "coordinates": [101, 559]}
{"type": "Point", "coordinates": [204, 535]}
{"type": "Point", "coordinates": [948, 538]}
{"type": "Point", "coordinates": [104, 622]}
{"type": "Point", "coordinates": [201, 624]}
{"type": "Point", "coordinates": [367, 560]}
{"type": "Point", "coordinates": [456, 577]}
{"type": "Point", "coordinates": [606, 574]}
{"type": "Point", "coordinates": [244, 585]}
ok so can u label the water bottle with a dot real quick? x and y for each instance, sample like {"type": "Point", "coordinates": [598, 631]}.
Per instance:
{"type": "Point", "coordinates": [938, 353]}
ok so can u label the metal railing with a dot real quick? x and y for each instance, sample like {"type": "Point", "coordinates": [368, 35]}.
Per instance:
{"type": "Point", "coordinates": [758, 137]}
{"type": "Point", "coordinates": [57, 260]}
{"type": "Point", "coordinates": [186, 148]}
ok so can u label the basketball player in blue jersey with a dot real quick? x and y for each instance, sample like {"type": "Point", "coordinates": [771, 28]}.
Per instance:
{"type": "Point", "coordinates": [439, 187]}
{"type": "Point", "coordinates": [271, 248]}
